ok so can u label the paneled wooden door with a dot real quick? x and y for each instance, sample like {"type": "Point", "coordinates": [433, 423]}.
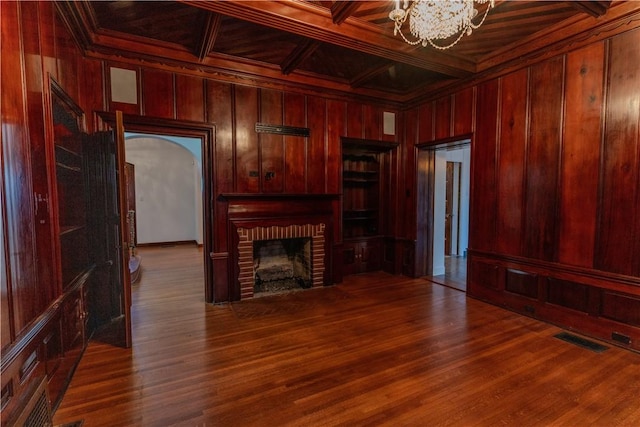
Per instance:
{"type": "Point", "coordinates": [123, 243]}
{"type": "Point", "coordinates": [110, 298]}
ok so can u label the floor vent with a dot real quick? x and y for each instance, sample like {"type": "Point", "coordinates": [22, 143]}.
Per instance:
{"type": "Point", "coordinates": [581, 342]}
{"type": "Point", "coordinates": [36, 412]}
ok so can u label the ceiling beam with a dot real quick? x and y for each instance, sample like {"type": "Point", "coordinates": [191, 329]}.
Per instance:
{"type": "Point", "coordinates": [208, 35]}
{"type": "Point", "coordinates": [315, 22]}
{"type": "Point", "coordinates": [298, 55]}
{"type": "Point", "coordinates": [341, 10]}
{"type": "Point", "coordinates": [593, 8]}
{"type": "Point", "coordinates": [362, 78]}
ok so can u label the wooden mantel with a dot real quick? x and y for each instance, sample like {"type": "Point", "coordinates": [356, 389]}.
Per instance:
{"type": "Point", "coordinates": [250, 210]}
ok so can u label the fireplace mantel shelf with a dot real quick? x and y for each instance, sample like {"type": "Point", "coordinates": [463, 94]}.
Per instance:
{"type": "Point", "coordinates": [276, 196]}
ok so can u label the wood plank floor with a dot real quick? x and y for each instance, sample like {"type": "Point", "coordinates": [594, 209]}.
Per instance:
{"type": "Point", "coordinates": [375, 350]}
{"type": "Point", "coordinates": [455, 273]}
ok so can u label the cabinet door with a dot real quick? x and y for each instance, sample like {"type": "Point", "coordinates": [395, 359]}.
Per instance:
{"type": "Point", "coordinates": [350, 258]}
{"type": "Point", "coordinates": [73, 321]}
{"type": "Point", "coordinates": [370, 255]}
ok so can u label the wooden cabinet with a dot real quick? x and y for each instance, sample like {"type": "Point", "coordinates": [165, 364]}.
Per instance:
{"type": "Point", "coordinates": [362, 255]}
{"type": "Point", "coordinates": [365, 186]}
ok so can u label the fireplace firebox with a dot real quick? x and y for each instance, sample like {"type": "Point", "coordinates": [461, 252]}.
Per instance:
{"type": "Point", "coordinates": [281, 265]}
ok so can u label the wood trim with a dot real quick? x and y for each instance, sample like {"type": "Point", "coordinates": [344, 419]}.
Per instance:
{"type": "Point", "coordinates": [39, 325]}
{"type": "Point", "coordinates": [603, 279]}
{"type": "Point", "coordinates": [593, 8]}
{"type": "Point", "coordinates": [208, 36]}
{"type": "Point", "coordinates": [207, 134]}
{"type": "Point", "coordinates": [314, 22]}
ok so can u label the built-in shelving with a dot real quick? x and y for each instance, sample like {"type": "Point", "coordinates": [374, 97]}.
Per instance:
{"type": "Point", "coordinates": [363, 179]}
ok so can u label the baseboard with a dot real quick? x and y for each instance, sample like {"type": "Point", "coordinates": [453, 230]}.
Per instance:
{"type": "Point", "coordinates": [178, 243]}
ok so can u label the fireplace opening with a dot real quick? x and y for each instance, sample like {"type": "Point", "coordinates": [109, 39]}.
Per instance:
{"type": "Point", "coordinates": [282, 265]}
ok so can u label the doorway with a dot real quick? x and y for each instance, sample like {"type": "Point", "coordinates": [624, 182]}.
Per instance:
{"type": "Point", "coordinates": [443, 210]}
{"type": "Point", "coordinates": [166, 202]}
{"type": "Point", "coordinates": [202, 150]}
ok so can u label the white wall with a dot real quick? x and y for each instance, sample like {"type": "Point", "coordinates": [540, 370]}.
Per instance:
{"type": "Point", "coordinates": [168, 182]}
{"type": "Point", "coordinates": [439, 197]}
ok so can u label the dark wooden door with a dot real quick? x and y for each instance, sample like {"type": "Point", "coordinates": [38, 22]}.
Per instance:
{"type": "Point", "coordinates": [122, 240]}
{"type": "Point", "coordinates": [448, 209]}
{"type": "Point", "coordinates": [110, 296]}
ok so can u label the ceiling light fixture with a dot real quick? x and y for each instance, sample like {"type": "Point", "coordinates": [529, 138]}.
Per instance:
{"type": "Point", "coordinates": [431, 20]}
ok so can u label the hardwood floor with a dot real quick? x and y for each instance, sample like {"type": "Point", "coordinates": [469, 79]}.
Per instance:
{"type": "Point", "coordinates": [455, 273]}
{"type": "Point", "coordinates": [374, 350]}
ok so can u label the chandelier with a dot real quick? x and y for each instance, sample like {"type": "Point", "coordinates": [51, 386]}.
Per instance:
{"type": "Point", "coordinates": [431, 20]}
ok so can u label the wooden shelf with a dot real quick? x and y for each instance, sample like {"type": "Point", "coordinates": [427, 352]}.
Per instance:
{"type": "Point", "coordinates": [65, 230]}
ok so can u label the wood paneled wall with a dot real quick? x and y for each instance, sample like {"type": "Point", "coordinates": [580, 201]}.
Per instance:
{"type": "Point", "coordinates": [36, 47]}
{"type": "Point", "coordinates": [555, 221]}
{"type": "Point", "coordinates": [259, 163]}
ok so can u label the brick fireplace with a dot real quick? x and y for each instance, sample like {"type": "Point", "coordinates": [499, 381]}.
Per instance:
{"type": "Point", "coordinates": [252, 218]}
{"type": "Point", "coordinates": [246, 260]}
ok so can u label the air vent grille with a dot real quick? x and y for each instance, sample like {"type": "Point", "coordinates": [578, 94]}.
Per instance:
{"type": "Point", "coordinates": [36, 412]}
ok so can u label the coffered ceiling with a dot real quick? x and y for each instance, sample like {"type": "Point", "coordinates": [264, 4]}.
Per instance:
{"type": "Point", "coordinates": [341, 46]}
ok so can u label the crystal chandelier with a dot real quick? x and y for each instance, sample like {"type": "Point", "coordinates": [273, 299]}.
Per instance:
{"type": "Point", "coordinates": [431, 20]}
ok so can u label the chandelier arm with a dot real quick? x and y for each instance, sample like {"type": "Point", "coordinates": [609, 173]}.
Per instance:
{"type": "Point", "coordinates": [476, 26]}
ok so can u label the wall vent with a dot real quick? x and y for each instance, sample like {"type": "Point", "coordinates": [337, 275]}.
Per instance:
{"type": "Point", "coordinates": [620, 338]}
{"type": "Point", "coordinates": [36, 411]}
{"type": "Point", "coordinates": [282, 130]}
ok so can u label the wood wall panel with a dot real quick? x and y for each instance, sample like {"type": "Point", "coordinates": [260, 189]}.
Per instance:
{"type": "Point", "coordinates": [483, 197]}
{"type": "Point", "coordinates": [272, 157]}
{"type": "Point", "coordinates": [618, 226]}
{"type": "Point", "coordinates": [426, 127]}
{"type": "Point", "coordinates": [6, 325]}
{"type": "Point", "coordinates": [543, 156]}
{"type": "Point", "coordinates": [69, 75]}
{"type": "Point", "coordinates": [219, 98]}
{"type": "Point", "coordinates": [463, 112]}
{"type": "Point", "coordinates": [189, 98]}
{"type": "Point", "coordinates": [578, 199]}
{"type": "Point", "coordinates": [411, 138]}
{"type": "Point", "coordinates": [372, 118]}
{"type": "Point", "coordinates": [521, 283]}
{"type": "Point", "coordinates": [158, 94]}
{"type": "Point", "coordinates": [568, 294]}
{"type": "Point", "coordinates": [20, 223]}
{"type": "Point", "coordinates": [246, 140]}
{"type": "Point", "coordinates": [622, 308]}
{"type": "Point", "coordinates": [47, 17]}
{"type": "Point", "coordinates": [336, 127]}
{"type": "Point", "coordinates": [316, 160]}
{"type": "Point", "coordinates": [443, 118]}
{"type": "Point", "coordinates": [355, 120]}
{"type": "Point", "coordinates": [93, 92]}
{"type": "Point", "coordinates": [295, 159]}
{"type": "Point", "coordinates": [34, 80]}
{"type": "Point", "coordinates": [579, 264]}
{"type": "Point", "coordinates": [511, 162]}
